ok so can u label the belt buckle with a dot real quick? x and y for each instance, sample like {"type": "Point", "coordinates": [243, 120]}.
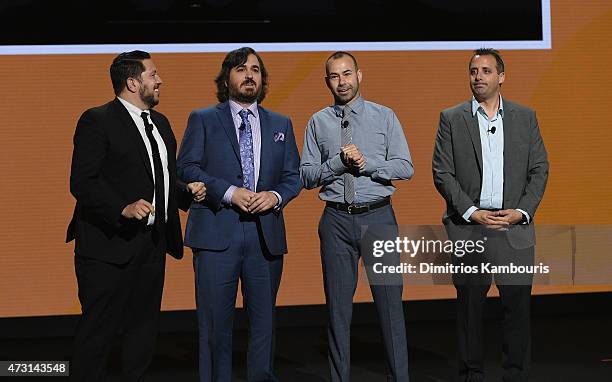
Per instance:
{"type": "Point", "coordinates": [350, 208]}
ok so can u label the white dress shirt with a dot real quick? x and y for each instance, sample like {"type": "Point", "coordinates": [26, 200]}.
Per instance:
{"type": "Point", "coordinates": [163, 153]}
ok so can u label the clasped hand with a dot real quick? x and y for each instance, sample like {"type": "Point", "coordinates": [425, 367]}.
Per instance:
{"type": "Point", "coordinates": [498, 220]}
{"type": "Point", "coordinates": [253, 202]}
{"type": "Point", "coordinates": [198, 190]}
{"type": "Point", "coordinates": [142, 208]}
{"type": "Point", "coordinates": [352, 157]}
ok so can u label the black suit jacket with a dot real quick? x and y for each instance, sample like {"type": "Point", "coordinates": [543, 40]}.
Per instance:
{"type": "Point", "coordinates": [457, 165]}
{"type": "Point", "coordinates": [111, 169]}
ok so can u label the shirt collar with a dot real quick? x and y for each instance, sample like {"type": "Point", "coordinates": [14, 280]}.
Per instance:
{"type": "Point", "coordinates": [132, 108]}
{"type": "Point", "coordinates": [236, 108]}
{"type": "Point", "coordinates": [476, 106]}
{"type": "Point", "coordinates": [356, 106]}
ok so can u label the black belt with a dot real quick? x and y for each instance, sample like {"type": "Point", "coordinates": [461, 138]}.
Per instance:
{"type": "Point", "coordinates": [360, 208]}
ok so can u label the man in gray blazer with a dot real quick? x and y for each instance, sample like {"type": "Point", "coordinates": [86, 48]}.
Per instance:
{"type": "Point", "coordinates": [491, 167]}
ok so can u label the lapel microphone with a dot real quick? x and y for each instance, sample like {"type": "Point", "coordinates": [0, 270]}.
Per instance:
{"type": "Point", "coordinates": [492, 130]}
{"type": "Point", "coordinates": [346, 123]}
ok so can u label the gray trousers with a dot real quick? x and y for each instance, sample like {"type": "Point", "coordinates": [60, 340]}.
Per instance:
{"type": "Point", "coordinates": [340, 235]}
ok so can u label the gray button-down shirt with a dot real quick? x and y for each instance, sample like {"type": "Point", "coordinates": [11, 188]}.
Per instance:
{"type": "Point", "coordinates": [378, 135]}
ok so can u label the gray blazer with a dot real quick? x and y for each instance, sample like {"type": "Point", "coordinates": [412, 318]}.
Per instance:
{"type": "Point", "coordinates": [457, 165]}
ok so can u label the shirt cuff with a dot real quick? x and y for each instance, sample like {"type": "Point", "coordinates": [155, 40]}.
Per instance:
{"type": "Point", "coordinates": [526, 215]}
{"type": "Point", "coordinates": [468, 213]}
{"type": "Point", "coordinates": [227, 197]}
{"type": "Point", "coordinates": [370, 167]}
{"type": "Point", "coordinates": [336, 165]}
{"type": "Point", "coordinates": [280, 200]}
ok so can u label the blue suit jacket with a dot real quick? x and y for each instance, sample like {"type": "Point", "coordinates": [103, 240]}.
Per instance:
{"type": "Point", "coordinates": [210, 153]}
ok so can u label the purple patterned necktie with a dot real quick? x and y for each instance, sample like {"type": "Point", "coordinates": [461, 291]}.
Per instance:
{"type": "Point", "coordinates": [246, 152]}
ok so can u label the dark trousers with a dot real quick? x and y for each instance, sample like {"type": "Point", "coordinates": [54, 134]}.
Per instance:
{"type": "Point", "coordinates": [515, 296]}
{"type": "Point", "coordinates": [216, 278]}
{"type": "Point", "coordinates": [119, 301]}
{"type": "Point", "coordinates": [340, 235]}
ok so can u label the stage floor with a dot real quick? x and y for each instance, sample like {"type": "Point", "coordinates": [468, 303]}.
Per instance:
{"type": "Point", "coordinates": [572, 348]}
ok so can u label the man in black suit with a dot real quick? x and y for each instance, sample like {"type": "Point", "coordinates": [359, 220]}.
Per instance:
{"type": "Point", "coordinates": [491, 167]}
{"type": "Point", "coordinates": [123, 177]}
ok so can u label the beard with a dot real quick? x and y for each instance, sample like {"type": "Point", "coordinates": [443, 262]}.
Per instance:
{"type": "Point", "coordinates": [343, 99]}
{"type": "Point", "coordinates": [148, 98]}
{"type": "Point", "coordinates": [246, 96]}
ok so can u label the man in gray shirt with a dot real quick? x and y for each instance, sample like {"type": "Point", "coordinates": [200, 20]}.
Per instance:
{"type": "Point", "coordinates": [353, 150]}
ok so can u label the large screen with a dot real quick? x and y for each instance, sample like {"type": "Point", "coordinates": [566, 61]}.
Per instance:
{"type": "Point", "coordinates": [564, 76]}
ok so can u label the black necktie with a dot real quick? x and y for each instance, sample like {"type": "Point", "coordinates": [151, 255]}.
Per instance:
{"type": "Point", "coordinates": [160, 201]}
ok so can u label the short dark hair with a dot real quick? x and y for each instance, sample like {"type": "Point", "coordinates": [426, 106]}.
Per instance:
{"type": "Point", "coordinates": [233, 59]}
{"type": "Point", "coordinates": [340, 54]}
{"type": "Point", "coordinates": [490, 52]}
{"type": "Point", "coordinates": [127, 65]}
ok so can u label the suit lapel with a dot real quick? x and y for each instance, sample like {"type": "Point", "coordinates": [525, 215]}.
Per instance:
{"type": "Point", "coordinates": [166, 134]}
{"type": "Point", "coordinates": [267, 140]}
{"type": "Point", "coordinates": [509, 153]}
{"type": "Point", "coordinates": [471, 123]}
{"type": "Point", "coordinates": [132, 132]}
{"type": "Point", "coordinates": [163, 132]}
{"type": "Point", "coordinates": [225, 116]}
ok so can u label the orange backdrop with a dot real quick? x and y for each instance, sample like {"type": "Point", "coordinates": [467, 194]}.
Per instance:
{"type": "Point", "coordinates": [43, 97]}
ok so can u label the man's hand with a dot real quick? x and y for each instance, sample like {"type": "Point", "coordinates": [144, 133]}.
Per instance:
{"type": "Point", "coordinates": [198, 190]}
{"type": "Point", "coordinates": [351, 155]}
{"type": "Point", "coordinates": [138, 210]}
{"type": "Point", "coordinates": [344, 158]}
{"type": "Point", "coordinates": [262, 201]}
{"type": "Point", "coordinates": [490, 220]}
{"type": "Point", "coordinates": [241, 198]}
{"type": "Point", "coordinates": [511, 216]}
{"type": "Point", "coordinates": [485, 217]}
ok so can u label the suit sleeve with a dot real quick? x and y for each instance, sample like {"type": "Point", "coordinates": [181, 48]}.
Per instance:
{"type": "Point", "coordinates": [443, 167]}
{"type": "Point", "coordinates": [190, 157]}
{"type": "Point", "coordinates": [183, 196]}
{"type": "Point", "coordinates": [290, 185]}
{"type": "Point", "coordinates": [537, 171]}
{"type": "Point", "coordinates": [87, 184]}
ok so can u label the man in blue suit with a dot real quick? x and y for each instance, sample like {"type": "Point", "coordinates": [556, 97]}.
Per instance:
{"type": "Point", "coordinates": [247, 157]}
